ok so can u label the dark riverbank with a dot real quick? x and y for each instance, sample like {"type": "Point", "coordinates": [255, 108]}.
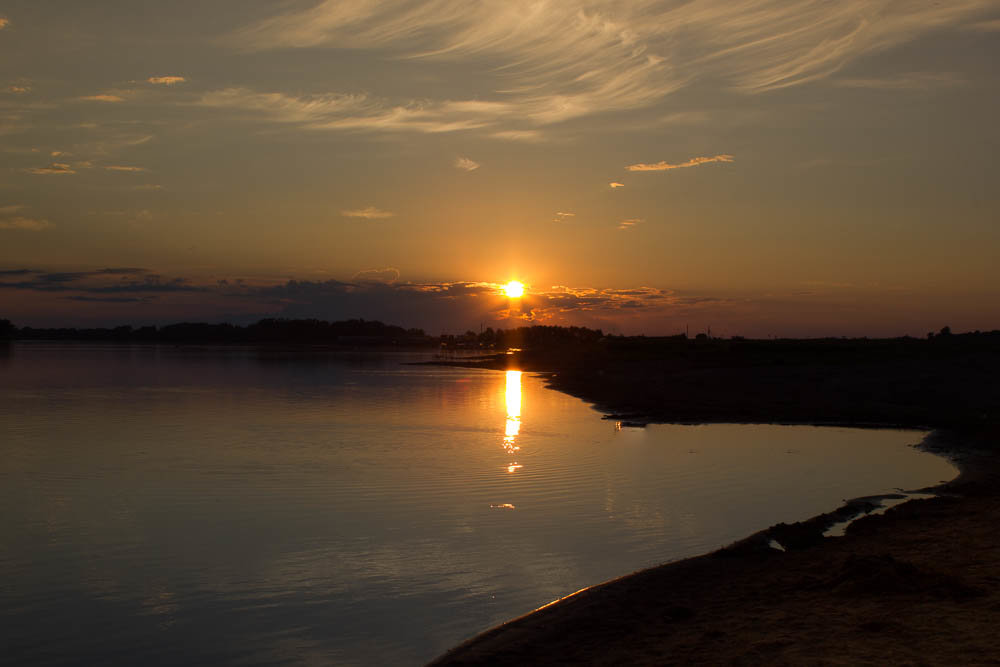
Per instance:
{"type": "Point", "coordinates": [949, 381]}
{"type": "Point", "coordinates": [919, 584]}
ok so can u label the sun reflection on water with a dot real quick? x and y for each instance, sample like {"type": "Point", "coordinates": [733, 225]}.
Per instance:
{"type": "Point", "coordinates": [513, 426]}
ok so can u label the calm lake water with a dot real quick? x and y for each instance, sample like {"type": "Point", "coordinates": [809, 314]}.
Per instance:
{"type": "Point", "coordinates": [194, 505]}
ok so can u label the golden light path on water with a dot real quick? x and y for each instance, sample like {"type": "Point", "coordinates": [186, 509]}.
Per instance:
{"type": "Point", "coordinates": [513, 426]}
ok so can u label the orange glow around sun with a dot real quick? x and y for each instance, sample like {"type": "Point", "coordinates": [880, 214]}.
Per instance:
{"type": "Point", "coordinates": [514, 289]}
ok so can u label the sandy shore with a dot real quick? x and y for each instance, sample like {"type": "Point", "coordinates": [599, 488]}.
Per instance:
{"type": "Point", "coordinates": [918, 585]}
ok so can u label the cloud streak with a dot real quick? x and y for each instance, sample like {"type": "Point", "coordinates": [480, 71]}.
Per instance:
{"type": "Point", "coordinates": [166, 80]}
{"type": "Point", "coordinates": [25, 224]}
{"type": "Point", "coordinates": [466, 164]}
{"type": "Point", "coordinates": [386, 276]}
{"type": "Point", "coordinates": [110, 281]}
{"type": "Point", "coordinates": [102, 98]}
{"type": "Point", "coordinates": [56, 168]}
{"type": "Point", "coordinates": [910, 81]}
{"type": "Point", "coordinates": [368, 213]}
{"type": "Point", "coordinates": [665, 166]}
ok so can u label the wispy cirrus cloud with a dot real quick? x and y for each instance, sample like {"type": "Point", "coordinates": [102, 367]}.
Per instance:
{"type": "Point", "coordinates": [18, 89]}
{"type": "Point", "coordinates": [615, 185]}
{"type": "Point", "coordinates": [524, 136]}
{"type": "Point", "coordinates": [55, 168]}
{"type": "Point", "coordinates": [629, 223]}
{"type": "Point", "coordinates": [466, 164]}
{"type": "Point", "coordinates": [102, 97]}
{"type": "Point", "coordinates": [563, 216]}
{"type": "Point", "coordinates": [166, 80]}
{"type": "Point", "coordinates": [665, 166]}
{"type": "Point", "coordinates": [125, 168]}
{"type": "Point", "coordinates": [909, 81]}
{"type": "Point", "coordinates": [4, 22]}
{"type": "Point", "coordinates": [285, 108]}
{"type": "Point", "coordinates": [550, 62]}
{"type": "Point", "coordinates": [25, 224]}
{"type": "Point", "coordinates": [368, 213]}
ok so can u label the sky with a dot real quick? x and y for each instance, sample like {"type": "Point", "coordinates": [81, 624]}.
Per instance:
{"type": "Point", "coordinates": [763, 168]}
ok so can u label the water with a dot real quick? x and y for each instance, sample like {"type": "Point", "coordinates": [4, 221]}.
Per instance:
{"type": "Point", "coordinates": [183, 505]}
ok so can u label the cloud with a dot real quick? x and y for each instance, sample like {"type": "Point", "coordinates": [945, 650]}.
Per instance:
{"type": "Point", "coordinates": [284, 108]}
{"type": "Point", "coordinates": [148, 187]}
{"type": "Point", "coordinates": [911, 81]}
{"type": "Point", "coordinates": [19, 90]}
{"type": "Point", "coordinates": [616, 184]}
{"type": "Point", "coordinates": [25, 224]}
{"type": "Point", "coordinates": [53, 169]}
{"type": "Point", "coordinates": [109, 281]}
{"type": "Point", "coordinates": [987, 26]}
{"type": "Point", "coordinates": [387, 275]}
{"type": "Point", "coordinates": [4, 22]}
{"type": "Point", "coordinates": [629, 223]}
{"type": "Point", "coordinates": [102, 98]}
{"type": "Point", "coordinates": [466, 164]}
{"type": "Point", "coordinates": [693, 162]}
{"type": "Point", "coordinates": [112, 299]}
{"type": "Point", "coordinates": [369, 213]}
{"type": "Point", "coordinates": [166, 80]}
{"type": "Point", "coordinates": [370, 294]}
{"type": "Point", "coordinates": [454, 306]}
{"type": "Point", "coordinates": [685, 118]}
{"type": "Point", "coordinates": [550, 62]}
{"type": "Point", "coordinates": [527, 136]}
{"type": "Point", "coordinates": [118, 167]}
{"type": "Point", "coordinates": [13, 208]}
{"type": "Point", "coordinates": [563, 216]}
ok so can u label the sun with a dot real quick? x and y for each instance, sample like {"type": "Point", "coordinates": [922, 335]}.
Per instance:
{"type": "Point", "coordinates": [514, 289]}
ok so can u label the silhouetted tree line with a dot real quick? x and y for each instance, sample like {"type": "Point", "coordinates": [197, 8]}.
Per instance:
{"type": "Point", "coordinates": [535, 337]}
{"type": "Point", "coordinates": [353, 332]}
{"type": "Point", "coordinates": [700, 351]}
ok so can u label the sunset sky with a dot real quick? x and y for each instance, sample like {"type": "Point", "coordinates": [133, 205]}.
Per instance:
{"type": "Point", "coordinates": [797, 168]}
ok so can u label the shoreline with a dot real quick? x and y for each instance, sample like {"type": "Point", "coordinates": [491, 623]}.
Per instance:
{"type": "Point", "coordinates": [684, 611]}
{"type": "Point", "coordinates": [816, 599]}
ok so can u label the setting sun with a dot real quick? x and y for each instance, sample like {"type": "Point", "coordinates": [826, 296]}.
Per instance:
{"type": "Point", "coordinates": [514, 289]}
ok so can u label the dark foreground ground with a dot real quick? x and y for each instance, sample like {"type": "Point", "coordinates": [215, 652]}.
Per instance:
{"type": "Point", "coordinates": [919, 585]}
